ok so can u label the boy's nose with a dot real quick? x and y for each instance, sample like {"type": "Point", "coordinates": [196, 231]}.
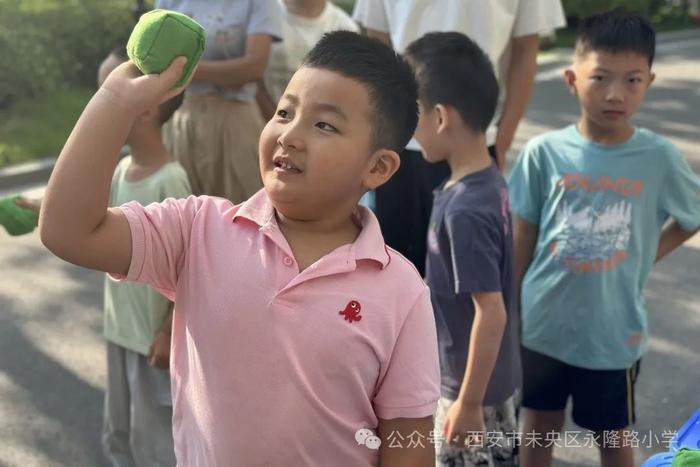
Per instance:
{"type": "Point", "coordinates": [614, 94]}
{"type": "Point", "coordinates": [291, 138]}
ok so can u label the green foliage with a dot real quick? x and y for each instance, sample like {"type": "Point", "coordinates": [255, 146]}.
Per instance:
{"type": "Point", "coordinates": [346, 5]}
{"type": "Point", "coordinates": [37, 128]}
{"type": "Point", "coordinates": [584, 8]}
{"type": "Point", "coordinates": [48, 44]}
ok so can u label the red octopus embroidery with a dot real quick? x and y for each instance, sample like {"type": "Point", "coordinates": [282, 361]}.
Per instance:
{"type": "Point", "coordinates": [352, 311]}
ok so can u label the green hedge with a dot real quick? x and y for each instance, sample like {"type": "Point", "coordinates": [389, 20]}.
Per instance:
{"type": "Point", "coordinates": [659, 11]}
{"type": "Point", "coordinates": [47, 44]}
{"type": "Point", "coordinates": [346, 5]}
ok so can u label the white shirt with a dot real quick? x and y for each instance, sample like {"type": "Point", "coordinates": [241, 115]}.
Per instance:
{"type": "Point", "coordinates": [490, 23]}
{"type": "Point", "coordinates": [299, 36]}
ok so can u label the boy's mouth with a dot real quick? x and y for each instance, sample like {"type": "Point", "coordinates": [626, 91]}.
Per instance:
{"type": "Point", "coordinates": [614, 113]}
{"type": "Point", "coordinates": [285, 164]}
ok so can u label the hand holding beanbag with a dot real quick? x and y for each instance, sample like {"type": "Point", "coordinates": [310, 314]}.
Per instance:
{"type": "Point", "coordinates": [162, 35]}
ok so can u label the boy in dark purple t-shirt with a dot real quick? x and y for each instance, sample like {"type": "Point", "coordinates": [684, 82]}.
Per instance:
{"type": "Point", "coordinates": [470, 247]}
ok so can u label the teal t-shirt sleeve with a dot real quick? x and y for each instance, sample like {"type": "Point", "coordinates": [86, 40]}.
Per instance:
{"type": "Point", "coordinates": [681, 192]}
{"type": "Point", "coordinates": [525, 186]}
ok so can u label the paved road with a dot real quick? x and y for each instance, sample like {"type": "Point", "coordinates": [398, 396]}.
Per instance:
{"type": "Point", "coordinates": [51, 353]}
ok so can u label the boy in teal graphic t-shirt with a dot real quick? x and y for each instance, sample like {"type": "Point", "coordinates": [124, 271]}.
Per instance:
{"type": "Point", "coordinates": [591, 205]}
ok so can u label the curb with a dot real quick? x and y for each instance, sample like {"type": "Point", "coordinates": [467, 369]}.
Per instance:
{"type": "Point", "coordinates": [25, 174]}
{"type": "Point", "coordinates": [39, 171]}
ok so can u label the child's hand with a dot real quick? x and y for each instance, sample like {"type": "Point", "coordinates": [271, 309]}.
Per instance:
{"type": "Point", "coordinates": [159, 353]}
{"type": "Point", "coordinates": [464, 425]}
{"type": "Point", "coordinates": [127, 88]}
{"type": "Point", "coordinates": [31, 204]}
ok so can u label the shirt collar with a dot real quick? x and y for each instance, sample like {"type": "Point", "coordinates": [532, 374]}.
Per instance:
{"type": "Point", "coordinates": [368, 245]}
{"type": "Point", "coordinates": [257, 209]}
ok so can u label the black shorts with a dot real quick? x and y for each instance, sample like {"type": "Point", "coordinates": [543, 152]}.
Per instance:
{"type": "Point", "coordinates": [603, 400]}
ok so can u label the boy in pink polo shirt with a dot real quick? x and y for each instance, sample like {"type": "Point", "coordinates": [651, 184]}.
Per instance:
{"type": "Point", "coordinates": [299, 338]}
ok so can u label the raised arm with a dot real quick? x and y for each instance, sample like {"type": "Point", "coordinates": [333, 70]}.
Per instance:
{"type": "Point", "coordinates": [236, 72]}
{"type": "Point", "coordinates": [75, 222]}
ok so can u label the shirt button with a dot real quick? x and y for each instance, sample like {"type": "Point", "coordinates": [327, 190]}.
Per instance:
{"type": "Point", "coordinates": [288, 261]}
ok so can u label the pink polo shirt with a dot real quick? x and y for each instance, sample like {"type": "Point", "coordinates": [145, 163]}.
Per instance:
{"type": "Point", "coordinates": [271, 366]}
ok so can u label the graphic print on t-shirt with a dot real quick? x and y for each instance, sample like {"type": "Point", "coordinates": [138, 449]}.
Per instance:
{"type": "Point", "coordinates": [352, 311]}
{"type": "Point", "coordinates": [593, 236]}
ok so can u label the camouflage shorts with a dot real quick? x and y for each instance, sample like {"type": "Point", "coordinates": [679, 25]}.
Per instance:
{"type": "Point", "coordinates": [499, 446]}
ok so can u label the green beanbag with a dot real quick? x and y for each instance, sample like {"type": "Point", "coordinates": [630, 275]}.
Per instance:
{"type": "Point", "coordinates": [162, 35]}
{"type": "Point", "coordinates": [686, 458]}
{"type": "Point", "coordinates": [16, 220]}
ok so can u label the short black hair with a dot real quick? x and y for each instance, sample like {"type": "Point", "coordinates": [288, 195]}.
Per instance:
{"type": "Point", "coordinates": [452, 70]}
{"type": "Point", "coordinates": [616, 31]}
{"type": "Point", "coordinates": [387, 77]}
{"type": "Point", "coordinates": [168, 108]}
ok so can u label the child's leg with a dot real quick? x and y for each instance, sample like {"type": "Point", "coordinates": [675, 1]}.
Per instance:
{"type": "Point", "coordinates": [620, 456]}
{"type": "Point", "coordinates": [604, 403]}
{"type": "Point", "coordinates": [546, 388]}
{"type": "Point", "coordinates": [116, 421]}
{"type": "Point", "coordinates": [539, 422]}
{"type": "Point", "coordinates": [151, 423]}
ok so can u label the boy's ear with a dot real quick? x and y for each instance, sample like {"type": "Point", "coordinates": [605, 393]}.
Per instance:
{"type": "Point", "coordinates": [652, 77]}
{"type": "Point", "coordinates": [442, 117]}
{"type": "Point", "coordinates": [570, 79]}
{"type": "Point", "coordinates": [383, 164]}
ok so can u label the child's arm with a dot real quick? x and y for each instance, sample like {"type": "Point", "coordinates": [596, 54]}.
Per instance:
{"type": "Point", "coordinates": [75, 222]}
{"type": "Point", "coordinates": [422, 454]}
{"type": "Point", "coordinates": [31, 204]}
{"type": "Point", "coordinates": [680, 201]}
{"type": "Point", "coordinates": [672, 237]}
{"type": "Point", "coordinates": [466, 415]}
{"type": "Point", "coordinates": [524, 240]}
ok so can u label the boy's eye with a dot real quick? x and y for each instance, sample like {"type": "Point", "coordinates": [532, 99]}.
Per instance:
{"type": "Point", "coordinates": [325, 126]}
{"type": "Point", "coordinates": [635, 80]}
{"type": "Point", "coordinates": [282, 113]}
{"type": "Point", "coordinates": [597, 77]}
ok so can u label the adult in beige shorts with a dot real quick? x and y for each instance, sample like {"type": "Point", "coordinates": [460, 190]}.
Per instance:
{"type": "Point", "coordinates": [214, 135]}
